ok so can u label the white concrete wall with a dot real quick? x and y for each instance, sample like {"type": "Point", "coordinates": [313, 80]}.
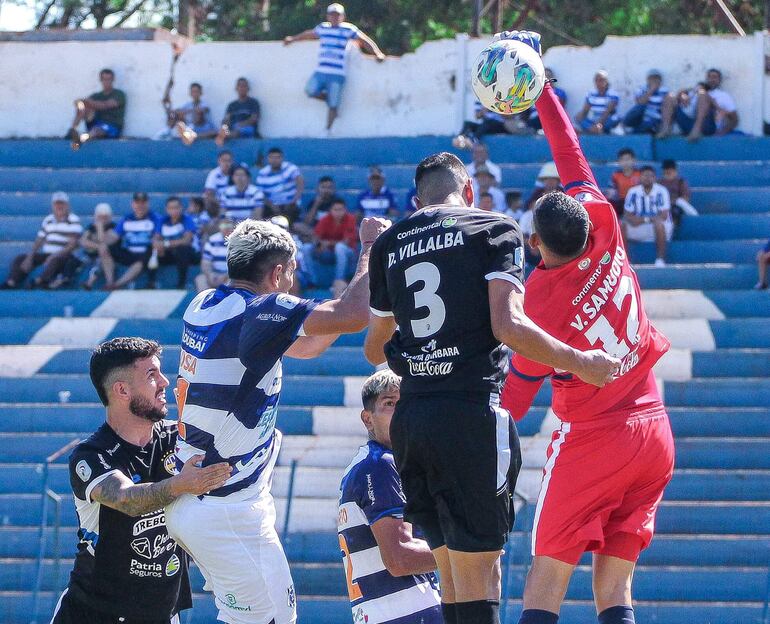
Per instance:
{"type": "Point", "coordinates": [405, 96]}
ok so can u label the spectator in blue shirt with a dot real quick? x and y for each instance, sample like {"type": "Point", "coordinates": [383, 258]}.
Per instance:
{"type": "Point", "coordinates": [176, 241]}
{"type": "Point", "coordinates": [534, 119]}
{"type": "Point", "coordinates": [241, 118]}
{"type": "Point", "coordinates": [283, 185]}
{"type": "Point", "coordinates": [135, 232]}
{"type": "Point", "coordinates": [644, 116]}
{"type": "Point", "coordinates": [336, 36]}
{"type": "Point", "coordinates": [599, 114]}
{"type": "Point", "coordinates": [377, 201]}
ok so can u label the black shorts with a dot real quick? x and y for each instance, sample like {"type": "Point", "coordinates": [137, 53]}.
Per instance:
{"type": "Point", "coordinates": [123, 256]}
{"type": "Point", "coordinates": [70, 610]}
{"type": "Point", "coordinates": [458, 457]}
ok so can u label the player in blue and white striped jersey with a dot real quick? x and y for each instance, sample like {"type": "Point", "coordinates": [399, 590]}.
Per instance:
{"type": "Point", "coordinates": [233, 341]}
{"type": "Point", "coordinates": [599, 114]}
{"type": "Point", "coordinates": [389, 569]}
{"type": "Point", "coordinates": [242, 200]}
{"type": "Point", "coordinates": [335, 36]}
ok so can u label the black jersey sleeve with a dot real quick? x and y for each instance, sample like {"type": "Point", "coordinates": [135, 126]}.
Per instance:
{"type": "Point", "coordinates": [88, 468]}
{"type": "Point", "coordinates": [506, 253]}
{"type": "Point", "coordinates": [379, 299]}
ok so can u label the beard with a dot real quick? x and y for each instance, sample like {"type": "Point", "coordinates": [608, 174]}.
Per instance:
{"type": "Point", "coordinates": [143, 408]}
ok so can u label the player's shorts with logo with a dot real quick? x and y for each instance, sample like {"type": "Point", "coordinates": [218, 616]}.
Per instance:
{"type": "Point", "coordinates": [458, 456]}
{"type": "Point", "coordinates": [70, 610]}
{"type": "Point", "coordinates": [602, 484]}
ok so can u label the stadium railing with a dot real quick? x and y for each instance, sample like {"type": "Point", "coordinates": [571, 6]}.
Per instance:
{"type": "Point", "coordinates": [48, 496]}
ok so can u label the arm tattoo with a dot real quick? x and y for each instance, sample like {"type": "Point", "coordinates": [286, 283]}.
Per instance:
{"type": "Point", "coordinates": [133, 499]}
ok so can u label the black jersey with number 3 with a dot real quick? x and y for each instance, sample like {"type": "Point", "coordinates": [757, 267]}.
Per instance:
{"type": "Point", "coordinates": [431, 272]}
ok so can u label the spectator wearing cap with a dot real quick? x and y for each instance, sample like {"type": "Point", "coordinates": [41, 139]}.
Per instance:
{"type": "Point", "coordinates": [336, 243]}
{"type": "Point", "coordinates": [647, 214]}
{"type": "Point", "coordinates": [484, 182]}
{"type": "Point", "coordinates": [282, 183]}
{"type": "Point", "coordinates": [242, 199]}
{"type": "Point", "coordinates": [56, 239]}
{"type": "Point", "coordinates": [678, 190]}
{"type": "Point", "coordinates": [623, 178]}
{"type": "Point", "coordinates": [242, 115]}
{"type": "Point", "coordinates": [135, 232]}
{"type": "Point", "coordinates": [95, 247]}
{"type": "Point", "coordinates": [547, 181]}
{"type": "Point", "coordinates": [705, 110]}
{"type": "Point", "coordinates": [599, 114]}
{"type": "Point", "coordinates": [377, 200]}
{"type": "Point", "coordinates": [644, 116]}
{"type": "Point", "coordinates": [214, 258]}
{"type": "Point", "coordinates": [534, 118]}
{"type": "Point", "coordinates": [335, 36]}
{"type": "Point", "coordinates": [176, 242]}
{"type": "Point", "coordinates": [480, 158]}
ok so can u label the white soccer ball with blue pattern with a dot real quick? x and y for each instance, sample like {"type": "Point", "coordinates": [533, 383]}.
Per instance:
{"type": "Point", "coordinates": [508, 77]}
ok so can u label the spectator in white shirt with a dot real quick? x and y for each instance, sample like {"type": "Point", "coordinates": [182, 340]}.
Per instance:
{"type": "Point", "coordinates": [335, 36]}
{"type": "Point", "coordinates": [283, 185]}
{"type": "Point", "coordinates": [647, 214]}
{"type": "Point", "coordinates": [56, 240]}
{"type": "Point", "coordinates": [703, 111]}
{"type": "Point", "coordinates": [484, 182]}
{"type": "Point", "coordinates": [480, 157]}
{"type": "Point", "coordinates": [219, 177]}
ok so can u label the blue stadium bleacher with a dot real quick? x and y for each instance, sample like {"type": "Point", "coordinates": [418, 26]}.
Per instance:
{"type": "Point", "coordinates": [709, 562]}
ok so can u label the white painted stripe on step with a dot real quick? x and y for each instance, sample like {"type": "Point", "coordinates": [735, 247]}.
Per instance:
{"type": "Point", "coordinates": [694, 334]}
{"type": "Point", "coordinates": [353, 387]}
{"type": "Point", "coordinates": [676, 365]}
{"type": "Point", "coordinates": [680, 304]}
{"type": "Point", "coordinates": [74, 332]}
{"type": "Point", "coordinates": [25, 360]}
{"type": "Point", "coordinates": [140, 304]}
{"type": "Point", "coordinates": [343, 421]}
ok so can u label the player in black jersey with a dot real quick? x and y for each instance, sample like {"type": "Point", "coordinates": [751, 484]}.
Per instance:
{"type": "Point", "coordinates": [446, 290]}
{"type": "Point", "coordinates": [127, 568]}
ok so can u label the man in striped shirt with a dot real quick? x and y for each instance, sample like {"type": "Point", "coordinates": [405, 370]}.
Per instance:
{"type": "Point", "coordinates": [647, 214]}
{"type": "Point", "coordinates": [335, 36]}
{"type": "Point", "coordinates": [644, 117]}
{"type": "Point", "coordinates": [242, 199]}
{"type": "Point", "coordinates": [214, 262]}
{"type": "Point", "coordinates": [389, 568]}
{"type": "Point", "coordinates": [599, 114]}
{"type": "Point", "coordinates": [56, 240]}
{"type": "Point", "coordinates": [283, 185]}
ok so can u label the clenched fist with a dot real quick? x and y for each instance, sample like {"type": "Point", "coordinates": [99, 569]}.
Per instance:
{"type": "Point", "coordinates": [370, 229]}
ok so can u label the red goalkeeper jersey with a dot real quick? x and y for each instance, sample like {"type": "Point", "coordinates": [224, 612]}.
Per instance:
{"type": "Point", "coordinates": [593, 301]}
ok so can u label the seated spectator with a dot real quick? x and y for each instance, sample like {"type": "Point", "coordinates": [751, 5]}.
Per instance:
{"type": "Point", "coordinates": [136, 232]}
{"type": "Point", "coordinates": [678, 190]}
{"type": "Point", "coordinates": [214, 260]}
{"type": "Point", "coordinates": [204, 215]}
{"type": "Point", "coordinates": [704, 110]}
{"type": "Point", "coordinates": [534, 119]}
{"type": "Point", "coordinates": [325, 194]}
{"type": "Point", "coordinates": [514, 205]}
{"type": "Point", "coordinates": [763, 259]}
{"type": "Point", "coordinates": [241, 120]}
{"type": "Point", "coordinates": [377, 200]}
{"type": "Point", "coordinates": [336, 243]}
{"type": "Point", "coordinates": [647, 214]}
{"type": "Point", "coordinates": [193, 119]}
{"type": "Point", "coordinates": [176, 242]}
{"type": "Point", "coordinates": [644, 116]}
{"type": "Point", "coordinates": [481, 158]}
{"type": "Point", "coordinates": [623, 179]}
{"type": "Point", "coordinates": [95, 245]}
{"type": "Point", "coordinates": [242, 200]}
{"type": "Point", "coordinates": [56, 239]}
{"type": "Point", "coordinates": [484, 182]}
{"type": "Point", "coordinates": [547, 181]}
{"type": "Point", "coordinates": [282, 184]}
{"type": "Point", "coordinates": [486, 122]}
{"type": "Point", "coordinates": [218, 179]}
{"type": "Point", "coordinates": [103, 113]}
{"type": "Point", "coordinates": [336, 36]}
{"type": "Point", "coordinates": [486, 202]}
{"type": "Point", "coordinates": [599, 114]}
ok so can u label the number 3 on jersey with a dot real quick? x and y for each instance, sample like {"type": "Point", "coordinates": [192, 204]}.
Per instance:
{"type": "Point", "coordinates": [426, 297]}
{"type": "Point", "coordinates": [603, 332]}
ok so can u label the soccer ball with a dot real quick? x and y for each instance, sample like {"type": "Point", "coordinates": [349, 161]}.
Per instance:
{"type": "Point", "coordinates": [508, 77]}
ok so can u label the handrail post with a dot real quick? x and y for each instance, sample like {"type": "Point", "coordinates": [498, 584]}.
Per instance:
{"type": "Point", "coordinates": [289, 497]}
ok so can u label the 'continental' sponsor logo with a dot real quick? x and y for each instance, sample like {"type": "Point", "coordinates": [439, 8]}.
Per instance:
{"type": "Point", "coordinates": [620, 255]}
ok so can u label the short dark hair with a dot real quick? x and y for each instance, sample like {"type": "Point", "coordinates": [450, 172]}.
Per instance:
{"type": "Point", "coordinates": [242, 79]}
{"type": "Point", "coordinates": [338, 200]}
{"type": "Point", "coordinates": [239, 168]}
{"type": "Point", "coordinates": [715, 70]}
{"type": "Point", "coordinates": [562, 223]}
{"type": "Point", "coordinates": [196, 84]}
{"type": "Point", "coordinates": [487, 195]}
{"type": "Point", "coordinates": [115, 354]}
{"type": "Point", "coordinates": [438, 176]}
{"type": "Point", "coordinates": [511, 195]}
{"type": "Point", "coordinates": [325, 178]}
{"type": "Point", "coordinates": [669, 163]}
{"type": "Point", "coordinates": [626, 151]}
{"type": "Point", "coordinates": [224, 153]}
{"type": "Point", "coordinates": [275, 150]}
{"type": "Point", "coordinates": [646, 168]}
{"type": "Point", "coordinates": [198, 201]}
{"type": "Point", "coordinates": [107, 70]}
{"type": "Point", "coordinates": [173, 198]}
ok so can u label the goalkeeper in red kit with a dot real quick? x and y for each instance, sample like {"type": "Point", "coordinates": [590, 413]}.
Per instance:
{"type": "Point", "coordinates": [613, 454]}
